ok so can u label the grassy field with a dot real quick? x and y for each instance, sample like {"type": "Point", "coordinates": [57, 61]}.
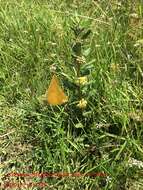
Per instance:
{"type": "Point", "coordinates": [105, 134]}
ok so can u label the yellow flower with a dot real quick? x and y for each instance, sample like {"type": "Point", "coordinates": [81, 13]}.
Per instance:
{"type": "Point", "coordinates": [81, 80]}
{"type": "Point", "coordinates": [115, 67]}
{"type": "Point", "coordinates": [82, 103]}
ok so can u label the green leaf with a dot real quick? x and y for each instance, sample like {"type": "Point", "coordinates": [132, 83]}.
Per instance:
{"type": "Point", "coordinates": [79, 125]}
{"type": "Point", "coordinates": [2, 75]}
{"type": "Point", "coordinates": [87, 52]}
{"type": "Point", "coordinates": [2, 99]}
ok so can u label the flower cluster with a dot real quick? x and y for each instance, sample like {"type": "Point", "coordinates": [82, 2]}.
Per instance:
{"type": "Point", "coordinates": [82, 103]}
{"type": "Point", "coordinates": [81, 80]}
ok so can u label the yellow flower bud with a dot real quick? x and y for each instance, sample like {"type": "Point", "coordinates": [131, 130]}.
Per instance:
{"type": "Point", "coordinates": [82, 103]}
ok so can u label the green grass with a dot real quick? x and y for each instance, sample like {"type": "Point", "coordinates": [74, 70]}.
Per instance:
{"type": "Point", "coordinates": [103, 137]}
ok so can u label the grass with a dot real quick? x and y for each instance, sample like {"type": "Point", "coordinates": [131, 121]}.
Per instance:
{"type": "Point", "coordinates": [104, 136]}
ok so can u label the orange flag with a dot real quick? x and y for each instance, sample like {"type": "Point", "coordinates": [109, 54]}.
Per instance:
{"type": "Point", "coordinates": [55, 95]}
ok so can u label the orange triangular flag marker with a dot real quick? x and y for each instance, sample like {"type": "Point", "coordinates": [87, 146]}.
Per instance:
{"type": "Point", "coordinates": [55, 95]}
